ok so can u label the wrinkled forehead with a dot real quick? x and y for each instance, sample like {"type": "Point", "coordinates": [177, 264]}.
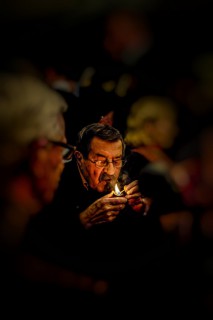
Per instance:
{"type": "Point", "coordinates": [99, 146]}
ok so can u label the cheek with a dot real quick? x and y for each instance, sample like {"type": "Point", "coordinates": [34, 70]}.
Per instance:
{"type": "Point", "coordinates": [49, 182]}
{"type": "Point", "coordinates": [167, 133]}
{"type": "Point", "coordinates": [52, 183]}
{"type": "Point", "coordinates": [55, 170]}
{"type": "Point", "coordinates": [55, 175]}
{"type": "Point", "coordinates": [94, 174]}
{"type": "Point", "coordinates": [163, 138]}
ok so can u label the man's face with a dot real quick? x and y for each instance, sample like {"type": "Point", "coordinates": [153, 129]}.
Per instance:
{"type": "Point", "coordinates": [102, 179]}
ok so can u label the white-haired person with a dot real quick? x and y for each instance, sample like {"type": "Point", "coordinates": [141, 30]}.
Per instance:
{"type": "Point", "coordinates": [152, 127]}
{"type": "Point", "coordinates": [33, 150]}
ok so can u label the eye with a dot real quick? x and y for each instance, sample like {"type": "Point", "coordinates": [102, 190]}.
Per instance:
{"type": "Point", "coordinates": [117, 162]}
{"type": "Point", "coordinates": [101, 163]}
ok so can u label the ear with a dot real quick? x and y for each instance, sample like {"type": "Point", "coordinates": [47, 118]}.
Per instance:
{"type": "Point", "coordinates": [78, 155]}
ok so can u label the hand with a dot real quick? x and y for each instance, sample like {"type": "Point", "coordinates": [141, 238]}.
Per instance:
{"type": "Point", "coordinates": [103, 210]}
{"type": "Point", "coordinates": [135, 198]}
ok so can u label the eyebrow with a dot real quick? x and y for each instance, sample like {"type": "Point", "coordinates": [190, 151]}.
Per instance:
{"type": "Point", "coordinates": [101, 155]}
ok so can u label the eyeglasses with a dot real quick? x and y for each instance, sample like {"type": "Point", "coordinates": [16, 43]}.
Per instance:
{"type": "Point", "coordinates": [68, 150]}
{"type": "Point", "coordinates": [118, 163]}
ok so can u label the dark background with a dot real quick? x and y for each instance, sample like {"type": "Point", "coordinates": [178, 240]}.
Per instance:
{"type": "Point", "coordinates": [69, 33]}
{"type": "Point", "coordinates": [62, 29]}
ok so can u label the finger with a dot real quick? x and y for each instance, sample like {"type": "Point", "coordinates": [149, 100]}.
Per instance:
{"type": "Point", "coordinates": [109, 195]}
{"type": "Point", "coordinates": [111, 206]}
{"type": "Point", "coordinates": [114, 200]}
{"type": "Point", "coordinates": [112, 213]}
{"type": "Point", "coordinates": [133, 196]}
{"type": "Point", "coordinates": [110, 216]}
{"type": "Point", "coordinates": [105, 214]}
{"type": "Point", "coordinates": [99, 219]}
{"type": "Point", "coordinates": [133, 189]}
{"type": "Point", "coordinates": [118, 200]}
{"type": "Point", "coordinates": [130, 185]}
{"type": "Point", "coordinates": [99, 209]}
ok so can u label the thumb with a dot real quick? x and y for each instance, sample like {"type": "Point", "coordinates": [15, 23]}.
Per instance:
{"type": "Point", "coordinates": [109, 195]}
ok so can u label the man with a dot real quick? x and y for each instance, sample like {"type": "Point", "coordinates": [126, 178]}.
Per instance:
{"type": "Point", "coordinates": [33, 152]}
{"type": "Point", "coordinates": [100, 157]}
{"type": "Point", "coordinates": [91, 228]}
{"type": "Point", "coordinates": [91, 180]}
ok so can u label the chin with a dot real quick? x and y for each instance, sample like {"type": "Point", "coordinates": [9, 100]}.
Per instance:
{"type": "Point", "coordinates": [100, 189]}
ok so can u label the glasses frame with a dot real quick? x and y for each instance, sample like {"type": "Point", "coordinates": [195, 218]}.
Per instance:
{"type": "Point", "coordinates": [123, 161]}
{"type": "Point", "coordinates": [70, 149]}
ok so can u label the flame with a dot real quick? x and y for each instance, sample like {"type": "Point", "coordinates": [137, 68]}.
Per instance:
{"type": "Point", "coordinates": [117, 192]}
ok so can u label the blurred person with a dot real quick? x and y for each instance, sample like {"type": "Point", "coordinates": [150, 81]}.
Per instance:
{"type": "Point", "coordinates": [127, 36]}
{"type": "Point", "coordinates": [33, 150]}
{"type": "Point", "coordinates": [180, 193]}
{"type": "Point", "coordinates": [196, 162]}
{"type": "Point", "coordinates": [152, 126]}
{"type": "Point", "coordinates": [120, 67]}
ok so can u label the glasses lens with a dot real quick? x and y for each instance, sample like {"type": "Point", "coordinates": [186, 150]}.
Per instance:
{"type": "Point", "coordinates": [67, 152]}
{"type": "Point", "coordinates": [101, 164]}
{"type": "Point", "coordinates": [116, 163]}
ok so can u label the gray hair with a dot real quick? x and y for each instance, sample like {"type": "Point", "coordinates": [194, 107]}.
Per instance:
{"type": "Point", "coordinates": [103, 131]}
{"type": "Point", "coordinates": [29, 110]}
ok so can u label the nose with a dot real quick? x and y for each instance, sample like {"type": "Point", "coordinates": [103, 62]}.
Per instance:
{"type": "Point", "coordinates": [110, 169]}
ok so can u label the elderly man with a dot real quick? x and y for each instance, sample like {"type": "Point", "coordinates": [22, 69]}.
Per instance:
{"type": "Point", "coordinates": [92, 227]}
{"type": "Point", "coordinates": [33, 150]}
{"type": "Point", "coordinates": [92, 179]}
{"type": "Point", "coordinates": [100, 158]}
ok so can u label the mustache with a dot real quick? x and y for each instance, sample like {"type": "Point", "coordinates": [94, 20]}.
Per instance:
{"type": "Point", "coordinates": [106, 177]}
{"type": "Point", "coordinates": [110, 182]}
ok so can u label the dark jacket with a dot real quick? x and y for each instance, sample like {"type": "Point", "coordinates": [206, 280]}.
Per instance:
{"type": "Point", "coordinates": [57, 234]}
